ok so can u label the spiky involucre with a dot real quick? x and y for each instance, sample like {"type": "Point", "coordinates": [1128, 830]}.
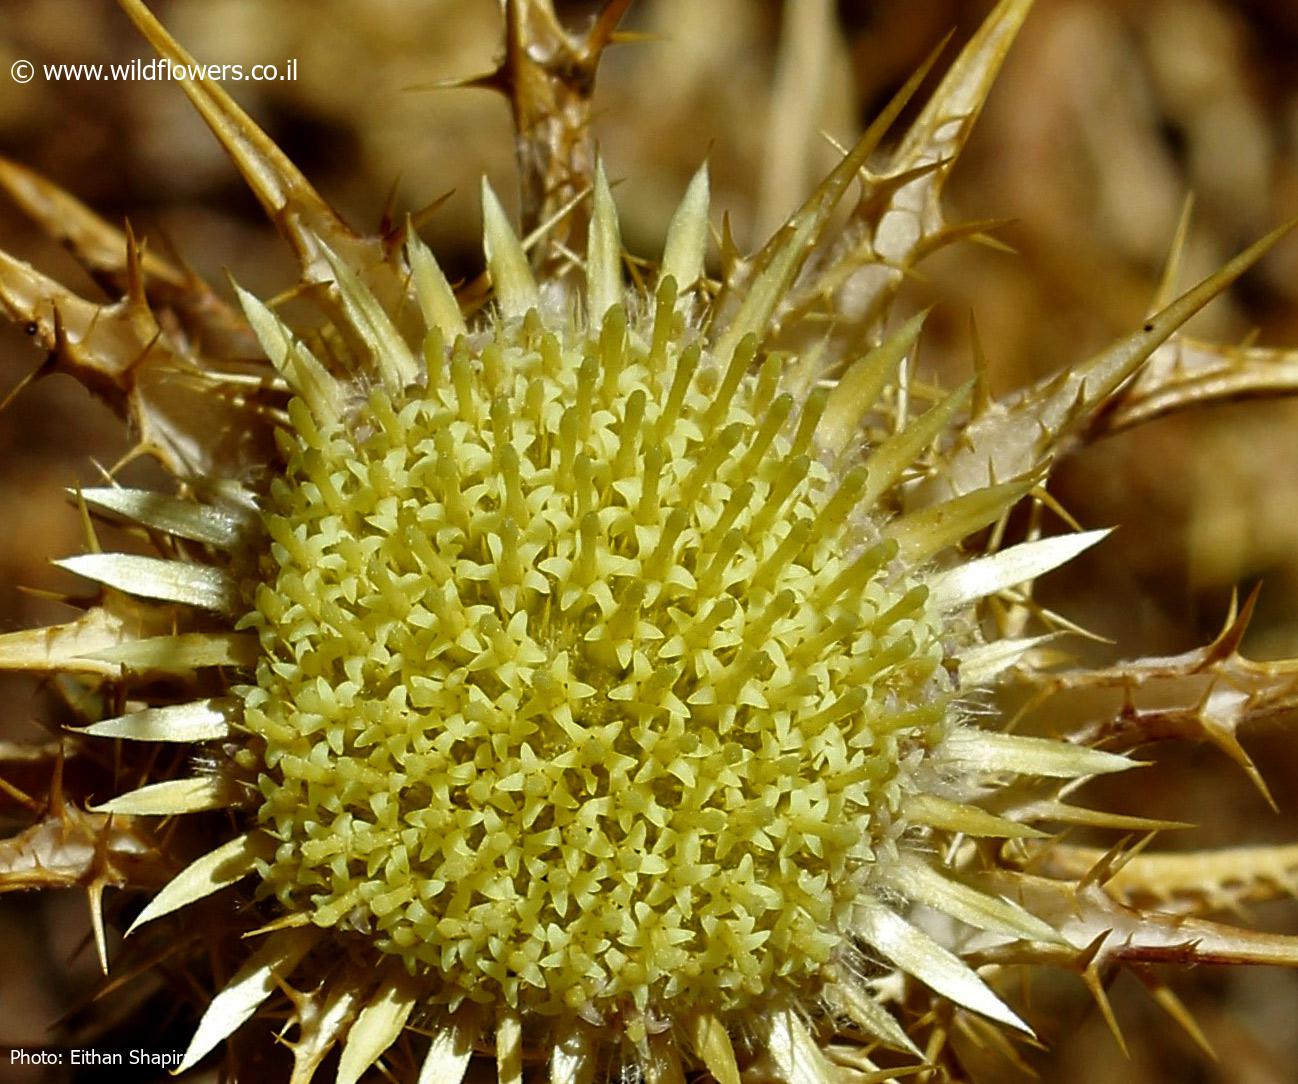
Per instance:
{"type": "Point", "coordinates": [590, 685]}
{"type": "Point", "coordinates": [603, 685]}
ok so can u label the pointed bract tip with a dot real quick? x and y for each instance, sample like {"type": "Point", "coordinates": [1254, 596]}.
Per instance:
{"type": "Point", "coordinates": [603, 251]}
{"type": "Point", "coordinates": [685, 250]}
{"type": "Point", "coordinates": [511, 275]}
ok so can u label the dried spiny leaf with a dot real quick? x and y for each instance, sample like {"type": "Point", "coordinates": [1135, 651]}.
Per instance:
{"type": "Point", "coordinates": [896, 224]}
{"type": "Point", "coordinates": [70, 847]}
{"type": "Point", "coordinates": [1047, 419]}
{"type": "Point", "coordinates": [1207, 694]}
{"type": "Point", "coordinates": [1189, 883]}
{"type": "Point", "coordinates": [1103, 932]}
{"type": "Point", "coordinates": [1186, 373]}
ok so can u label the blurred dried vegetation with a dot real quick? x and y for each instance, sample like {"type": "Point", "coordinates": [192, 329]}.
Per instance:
{"type": "Point", "coordinates": [1107, 116]}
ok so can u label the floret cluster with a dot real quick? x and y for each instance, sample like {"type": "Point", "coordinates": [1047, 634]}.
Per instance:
{"type": "Point", "coordinates": [584, 681]}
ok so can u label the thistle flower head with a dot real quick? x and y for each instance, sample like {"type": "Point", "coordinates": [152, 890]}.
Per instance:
{"type": "Point", "coordinates": [591, 671]}
{"type": "Point", "coordinates": [586, 682]}
{"type": "Point", "coordinates": [591, 680]}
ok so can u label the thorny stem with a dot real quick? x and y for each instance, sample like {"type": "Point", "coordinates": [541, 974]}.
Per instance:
{"type": "Point", "coordinates": [548, 74]}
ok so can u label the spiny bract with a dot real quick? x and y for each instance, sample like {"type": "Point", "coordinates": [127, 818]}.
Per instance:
{"type": "Point", "coordinates": [604, 670]}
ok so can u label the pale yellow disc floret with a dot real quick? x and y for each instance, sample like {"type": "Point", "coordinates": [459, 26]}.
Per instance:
{"type": "Point", "coordinates": [584, 683]}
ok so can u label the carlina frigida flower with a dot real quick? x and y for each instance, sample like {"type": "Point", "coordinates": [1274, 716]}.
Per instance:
{"type": "Point", "coordinates": [583, 667]}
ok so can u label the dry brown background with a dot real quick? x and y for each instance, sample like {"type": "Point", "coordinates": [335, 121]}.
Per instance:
{"type": "Point", "coordinates": [1108, 113]}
